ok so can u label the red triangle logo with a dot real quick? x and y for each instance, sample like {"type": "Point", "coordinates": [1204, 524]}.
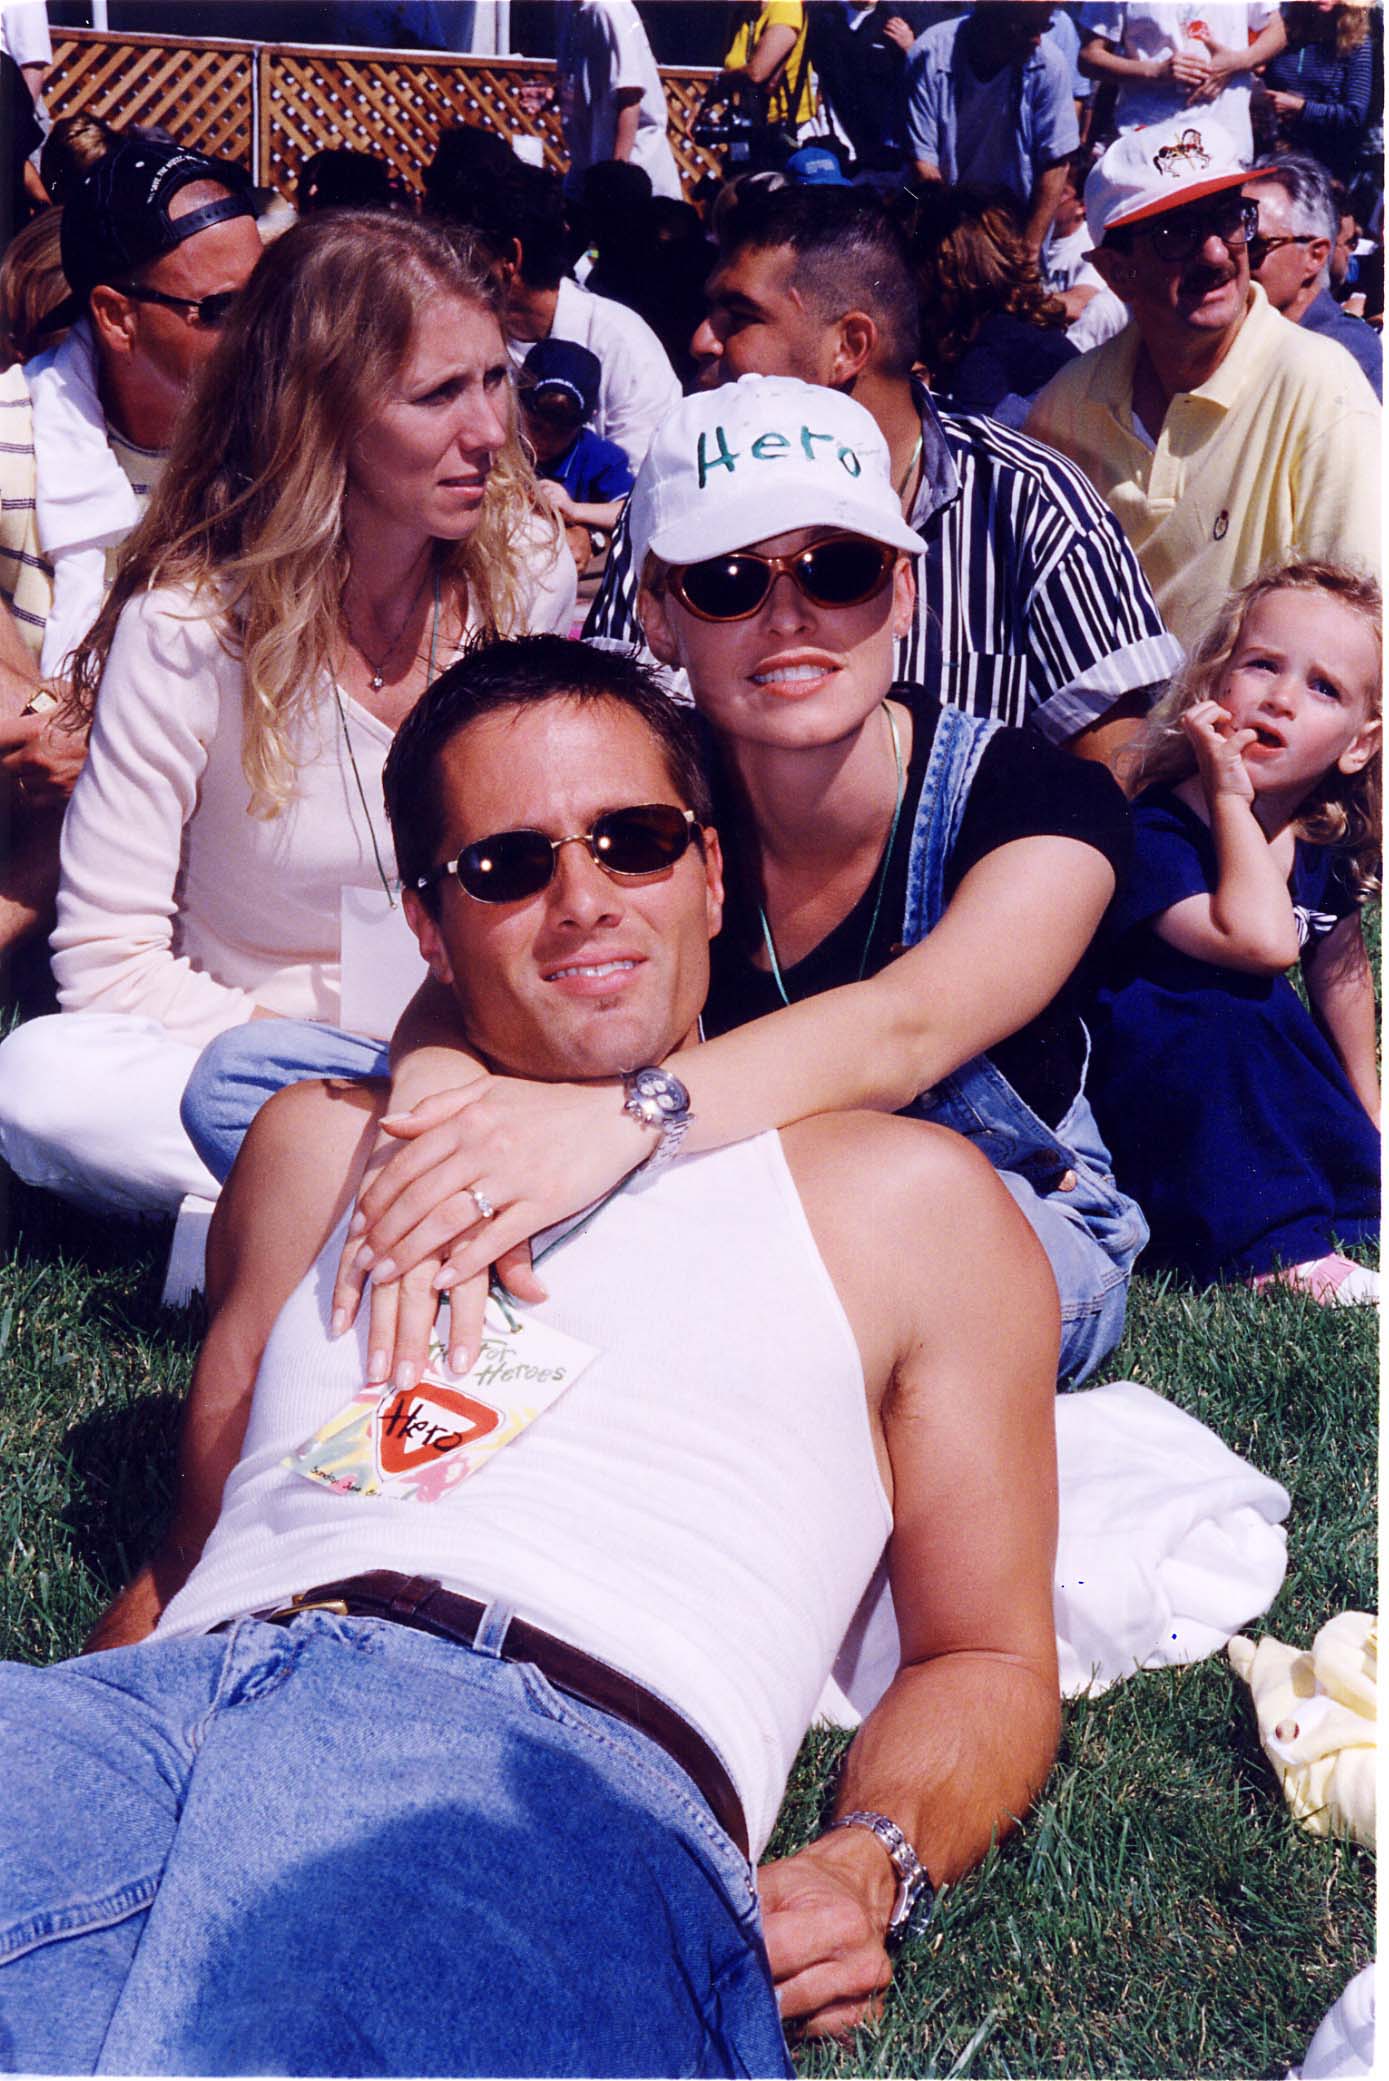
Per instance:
{"type": "Point", "coordinates": [420, 1425]}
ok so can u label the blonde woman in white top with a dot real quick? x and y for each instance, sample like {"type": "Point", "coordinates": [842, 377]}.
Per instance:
{"type": "Point", "coordinates": [345, 502]}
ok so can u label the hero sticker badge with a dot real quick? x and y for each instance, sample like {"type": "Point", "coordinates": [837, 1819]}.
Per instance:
{"type": "Point", "coordinates": [418, 1444]}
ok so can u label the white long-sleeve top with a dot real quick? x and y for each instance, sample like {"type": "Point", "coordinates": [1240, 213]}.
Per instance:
{"type": "Point", "coordinates": [174, 902]}
{"type": "Point", "coordinates": [638, 389]}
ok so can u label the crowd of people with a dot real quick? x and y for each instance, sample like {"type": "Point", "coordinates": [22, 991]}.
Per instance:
{"type": "Point", "coordinates": [576, 759]}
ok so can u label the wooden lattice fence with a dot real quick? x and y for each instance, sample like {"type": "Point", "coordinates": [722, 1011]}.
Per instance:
{"type": "Point", "coordinates": [270, 106]}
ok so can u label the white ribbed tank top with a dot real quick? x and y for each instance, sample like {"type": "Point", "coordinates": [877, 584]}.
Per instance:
{"type": "Point", "coordinates": [702, 1508]}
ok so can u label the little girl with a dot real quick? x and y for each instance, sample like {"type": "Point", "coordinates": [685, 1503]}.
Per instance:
{"type": "Point", "coordinates": [1246, 1129]}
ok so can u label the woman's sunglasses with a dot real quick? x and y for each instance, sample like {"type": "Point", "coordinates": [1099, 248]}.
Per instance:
{"type": "Point", "coordinates": [512, 865]}
{"type": "Point", "coordinates": [841, 571]}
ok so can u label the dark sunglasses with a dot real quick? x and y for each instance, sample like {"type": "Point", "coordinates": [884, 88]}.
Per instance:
{"type": "Point", "coordinates": [205, 310]}
{"type": "Point", "coordinates": [1233, 221]}
{"type": "Point", "coordinates": [555, 411]}
{"type": "Point", "coordinates": [514, 864]}
{"type": "Point", "coordinates": [841, 571]}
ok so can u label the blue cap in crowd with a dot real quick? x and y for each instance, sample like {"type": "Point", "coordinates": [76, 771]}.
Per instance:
{"type": "Point", "coordinates": [815, 166]}
{"type": "Point", "coordinates": [564, 365]}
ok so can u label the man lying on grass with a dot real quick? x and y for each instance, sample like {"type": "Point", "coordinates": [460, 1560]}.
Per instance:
{"type": "Point", "coordinates": [452, 1750]}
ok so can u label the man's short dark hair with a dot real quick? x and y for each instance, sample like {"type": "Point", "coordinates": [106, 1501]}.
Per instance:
{"type": "Point", "coordinates": [515, 673]}
{"type": "Point", "coordinates": [521, 202]}
{"type": "Point", "coordinates": [850, 256]}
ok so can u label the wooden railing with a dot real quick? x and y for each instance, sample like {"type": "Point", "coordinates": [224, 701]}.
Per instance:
{"type": "Point", "coordinates": [269, 106]}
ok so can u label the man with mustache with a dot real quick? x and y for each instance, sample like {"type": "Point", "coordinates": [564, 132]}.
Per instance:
{"type": "Point", "coordinates": [1221, 436]}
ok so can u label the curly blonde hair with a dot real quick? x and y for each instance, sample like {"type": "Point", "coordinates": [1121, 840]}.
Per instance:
{"type": "Point", "coordinates": [248, 515]}
{"type": "Point", "coordinates": [1344, 809]}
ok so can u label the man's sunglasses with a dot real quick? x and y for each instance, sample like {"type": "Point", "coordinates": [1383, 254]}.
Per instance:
{"type": "Point", "coordinates": [512, 865]}
{"type": "Point", "coordinates": [555, 411]}
{"type": "Point", "coordinates": [841, 571]}
{"type": "Point", "coordinates": [1260, 246]}
{"type": "Point", "coordinates": [1233, 221]}
{"type": "Point", "coordinates": [199, 310]}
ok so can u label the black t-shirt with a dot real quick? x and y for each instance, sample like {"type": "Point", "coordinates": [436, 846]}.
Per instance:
{"type": "Point", "coordinates": [1024, 788]}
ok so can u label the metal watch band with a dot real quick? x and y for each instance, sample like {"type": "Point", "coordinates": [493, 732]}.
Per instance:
{"type": "Point", "coordinates": [913, 1881]}
{"type": "Point", "coordinates": [658, 1099]}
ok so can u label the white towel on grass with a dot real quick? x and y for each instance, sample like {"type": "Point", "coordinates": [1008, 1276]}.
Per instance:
{"type": "Point", "coordinates": [1168, 1543]}
{"type": "Point", "coordinates": [1344, 2045]}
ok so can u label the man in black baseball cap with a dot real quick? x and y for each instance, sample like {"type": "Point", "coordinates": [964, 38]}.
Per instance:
{"type": "Point", "coordinates": [156, 242]}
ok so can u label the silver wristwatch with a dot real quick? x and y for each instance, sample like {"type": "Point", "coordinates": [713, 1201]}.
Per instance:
{"type": "Point", "coordinates": [659, 1100]}
{"type": "Point", "coordinates": [912, 1879]}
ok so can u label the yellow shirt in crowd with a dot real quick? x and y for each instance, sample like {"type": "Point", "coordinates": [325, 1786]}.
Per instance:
{"type": "Point", "coordinates": [789, 14]}
{"type": "Point", "coordinates": [1275, 456]}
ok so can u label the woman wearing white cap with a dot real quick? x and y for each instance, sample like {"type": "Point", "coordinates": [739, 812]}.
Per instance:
{"type": "Point", "coordinates": [911, 889]}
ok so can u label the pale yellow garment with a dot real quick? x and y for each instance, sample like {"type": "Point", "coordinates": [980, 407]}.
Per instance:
{"type": "Point", "coordinates": [26, 578]}
{"type": "Point", "coordinates": [1317, 1721]}
{"type": "Point", "coordinates": [789, 14]}
{"type": "Point", "coordinates": [1275, 456]}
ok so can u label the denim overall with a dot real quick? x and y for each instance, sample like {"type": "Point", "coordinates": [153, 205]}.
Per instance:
{"type": "Point", "coordinates": [1091, 1232]}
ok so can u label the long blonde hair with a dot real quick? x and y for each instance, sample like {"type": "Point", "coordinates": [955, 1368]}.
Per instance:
{"type": "Point", "coordinates": [1343, 809]}
{"type": "Point", "coordinates": [248, 514]}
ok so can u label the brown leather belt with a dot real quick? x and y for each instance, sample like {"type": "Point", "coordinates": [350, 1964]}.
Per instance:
{"type": "Point", "coordinates": [417, 1601]}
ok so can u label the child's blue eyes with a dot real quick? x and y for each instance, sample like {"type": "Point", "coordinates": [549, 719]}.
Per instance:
{"type": "Point", "coordinates": [1318, 685]}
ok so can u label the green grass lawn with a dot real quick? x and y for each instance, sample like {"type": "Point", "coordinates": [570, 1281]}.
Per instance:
{"type": "Point", "coordinates": [1159, 1914]}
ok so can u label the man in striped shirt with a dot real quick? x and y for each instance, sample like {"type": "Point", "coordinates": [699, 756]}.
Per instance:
{"type": "Point", "coordinates": [1031, 606]}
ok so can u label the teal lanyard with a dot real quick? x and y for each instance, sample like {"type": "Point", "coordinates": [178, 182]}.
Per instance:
{"type": "Point", "coordinates": [352, 756]}
{"type": "Point", "coordinates": [882, 874]}
{"type": "Point", "coordinates": [497, 1292]}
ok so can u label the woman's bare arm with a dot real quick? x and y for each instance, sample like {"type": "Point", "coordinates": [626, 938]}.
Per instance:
{"type": "Point", "coordinates": [1010, 937]}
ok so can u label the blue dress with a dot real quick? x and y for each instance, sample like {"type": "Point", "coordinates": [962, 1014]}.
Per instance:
{"type": "Point", "coordinates": [1228, 1115]}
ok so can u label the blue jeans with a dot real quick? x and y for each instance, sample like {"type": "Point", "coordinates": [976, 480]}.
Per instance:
{"type": "Point", "coordinates": [1061, 1176]}
{"type": "Point", "coordinates": [341, 1847]}
{"type": "Point", "coordinates": [244, 1066]}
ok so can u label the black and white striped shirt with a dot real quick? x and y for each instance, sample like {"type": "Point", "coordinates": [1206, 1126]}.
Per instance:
{"type": "Point", "coordinates": [1031, 606]}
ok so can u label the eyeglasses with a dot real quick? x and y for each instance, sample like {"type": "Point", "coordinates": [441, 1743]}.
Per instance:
{"type": "Point", "coordinates": [841, 571]}
{"type": "Point", "coordinates": [1261, 246]}
{"type": "Point", "coordinates": [512, 865]}
{"type": "Point", "coordinates": [211, 310]}
{"type": "Point", "coordinates": [1234, 221]}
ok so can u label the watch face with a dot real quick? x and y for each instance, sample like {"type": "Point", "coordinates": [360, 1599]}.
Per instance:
{"type": "Point", "coordinates": [664, 1089]}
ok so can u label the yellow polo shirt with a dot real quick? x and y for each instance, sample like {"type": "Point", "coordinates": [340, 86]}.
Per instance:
{"type": "Point", "coordinates": [789, 14]}
{"type": "Point", "coordinates": [1275, 457]}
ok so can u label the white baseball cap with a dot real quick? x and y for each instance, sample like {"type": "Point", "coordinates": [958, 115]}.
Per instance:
{"type": "Point", "coordinates": [1159, 168]}
{"type": "Point", "coordinates": [758, 458]}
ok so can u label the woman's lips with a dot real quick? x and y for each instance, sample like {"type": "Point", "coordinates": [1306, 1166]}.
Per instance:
{"type": "Point", "coordinates": [791, 677]}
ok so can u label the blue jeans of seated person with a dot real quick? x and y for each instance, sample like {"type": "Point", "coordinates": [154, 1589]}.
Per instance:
{"type": "Point", "coordinates": [341, 1847]}
{"type": "Point", "coordinates": [241, 1068]}
{"type": "Point", "coordinates": [1061, 1177]}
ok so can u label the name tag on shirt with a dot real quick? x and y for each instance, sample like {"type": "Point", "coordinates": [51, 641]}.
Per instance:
{"type": "Point", "coordinates": [382, 966]}
{"type": "Point", "coordinates": [418, 1444]}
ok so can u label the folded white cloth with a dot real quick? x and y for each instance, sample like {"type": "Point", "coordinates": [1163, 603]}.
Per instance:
{"type": "Point", "coordinates": [84, 498]}
{"type": "Point", "coordinates": [1168, 1543]}
{"type": "Point", "coordinates": [1345, 2041]}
